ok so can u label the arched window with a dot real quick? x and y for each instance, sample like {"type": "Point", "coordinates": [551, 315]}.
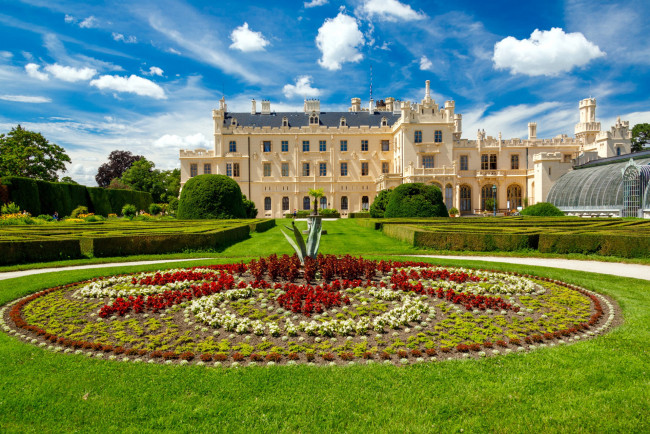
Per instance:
{"type": "Point", "coordinates": [449, 196]}
{"type": "Point", "coordinates": [285, 203]}
{"type": "Point", "coordinates": [465, 198]}
{"type": "Point", "coordinates": [306, 203]}
{"type": "Point", "coordinates": [365, 203]}
{"type": "Point", "coordinates": [486, 193]}
{"type": "Point", "coordinates": [285, 122]}
{"type": "Point", "coordinates": [514, 196]}
{"type": "Point", "coordinates": [343, 122]}
{"type": "Point", "coordinates": [313, 119]}
{"type": "Point", "coordinates": [323, 202]}
{"type": "Point", "coordinates": [344, 203]}
{"type": "Point", "coordinates": [267, 204]}
{"type": "Point", "coordinates": [233, 122]}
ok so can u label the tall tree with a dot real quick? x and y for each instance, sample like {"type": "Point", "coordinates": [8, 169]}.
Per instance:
{"type": "Point", "coordinates": [142, 176]}
{"type": "Point", "coordinates": [171, 183]}
{"type": "Point", "coordinates": [118, 163]}
{"type": "Point", "coordinates": [29, 154]}
{"type": "Point", "coordinates": [640, 136]}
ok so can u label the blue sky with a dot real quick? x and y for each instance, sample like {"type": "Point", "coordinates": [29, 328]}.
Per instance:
{"type": "Point", "coordinates": [144, 75]}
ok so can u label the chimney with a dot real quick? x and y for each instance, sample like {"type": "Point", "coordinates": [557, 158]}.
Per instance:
{"type": "Point", "coordinates": [266, 107]}
{"type": "Point", "coordinates": [532, 130]}
{"type": "Point", "coordinates": [253, 107]}
{"type": "Point", "coordinates": [427, 92]}
{"type": "Point", "coordinates": [356, 105]}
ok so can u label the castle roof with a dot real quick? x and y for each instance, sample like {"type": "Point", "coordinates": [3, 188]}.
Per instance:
{"type": "Point", "coordinates": [300, 119]}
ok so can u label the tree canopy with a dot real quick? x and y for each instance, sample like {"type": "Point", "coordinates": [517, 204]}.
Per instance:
{"type": "Point", "coordinates": [118, 163]}
{"type": "Point", "coordinates": [30, 155]}
{"type": "Point", "coordinates": [378, 207]}
{"type": "Point", "coordinates": [143, 176]}
{"type": "Point", "coordinates": [640, 136]}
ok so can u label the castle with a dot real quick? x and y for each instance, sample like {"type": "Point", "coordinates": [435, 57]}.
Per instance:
{"type": "Point", "coordinates": [277, 157]}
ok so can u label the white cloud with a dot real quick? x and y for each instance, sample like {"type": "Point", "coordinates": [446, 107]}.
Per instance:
{"type": "Point", "coordinates": [246, 40]}
{"type": "Point", "coordinates": [338, 40]}
{"type": "Point", "coordinates": [6, 54]}
{"type": "Point", "coordinates": [24, 98]}
{"type": "Point", "coordinates": [314, 3]}
{"type": "Point", "coordinates": [71, 74]}
{"type": "Point", "coordinates": [425, 64]}
{"type": "Point", "coordinates": [89, 23]}
{"type": "Point", "coordinates": [546, 52]}
{"type": "Point", "coordinates": [126, 39]}
{"type": "Point", "coordinates": [390, 10]}
{"type": "Point", "coordinates": [154, 70]}
{"type": "Point", "coordinates": [173, 141]}
{"type": "Point", "coordinates": [133, 84]}
{"type": "Point", "coordinates": [69, 19]}
{"type": "Point", "coordinates": [33, 71]}
{"type": "Point", "coordinates": [301, 88]}
{"type": "Point", "coordinates": [173, 51]}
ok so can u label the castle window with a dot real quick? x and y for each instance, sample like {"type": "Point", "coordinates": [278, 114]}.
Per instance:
{"type": "Point", "coordinates": [489, 162]}
{"type": "Point", "coordinates": [285, 122]}
{"type": "Point", "coordinates": [384, 167]}
{"type": "Point", "coordinates": [437, 136]}
{"type": "Point", "coordinates": [344, 145]}
{"type": "Point", "coordinates": [194, 170]}
{"type": "Point", "coordinates": [285, 203]}
{"type": "Point", "coordinates": [207, 168]}
{"type": "Point", "coordinates": [417, 138]}
{"type": "Point", "coordinates": [267, 169]}
{"type": "Point", "coordinates": [343, 122]}
{"type": "Point", "coordinates": [305, 146]}
{"type": "Point", "coordinates": [285, 146]}
{"type": "Point", "coordinates": [344, 203]}
{"type": "Point", "coordinates": [228, 169]}
{"type": "Point", "coordinates": [464, 165]}
{"type": "Point", "coordinates": [323, 202]}
{"type": "Point", "coordinates": [465, 198]}
{"type": "Point", "coordinates": [428, 161]}
{"type": "Point", "coordinates": [322, 169]}
{"type": "Point", "coordinates": [385, 145]}
{"type": "Point", "coordinates": [365, 203]}
{"type": "Point", "coordinates": [266, 146]}
{"type": "Point", "coordinates": [233, 122]}
{"type": "Point", "coordinates": [322, 146]}
{"type": "Point", "coordinates": [364, 145]}
{"type": "Point", "coordinates": [449, 196]}
{"type": "Point", "coordinates": [232, 146]}
{"type": "Point", "coordinates": [313, 119]}
{"type": "Point", "coordinates": [285, 169]}
{"type": "Point", "coordinates": [235, 170]}
{"type": "Point", "coordinates": [514, 161]}
{"type": "Point", "coordinates": [267, 204]}
{"type": "Point", "coordinates": [364, 169]}
{"type": "Point", "coordinates": [305, 169]}
{"type": "Point", "coordinates": [618, 150]}
{"type": "Point", "coordinates": [344, 169]}
{"type": "Point", "coordinates": [306, 203]}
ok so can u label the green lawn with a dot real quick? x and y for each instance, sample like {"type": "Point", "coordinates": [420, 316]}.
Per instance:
{"type": "Point", "coordinates": [596, 386]}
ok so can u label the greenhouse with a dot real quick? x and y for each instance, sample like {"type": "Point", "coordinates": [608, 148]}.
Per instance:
{"type": "Point", "coordinates": [616, 187]}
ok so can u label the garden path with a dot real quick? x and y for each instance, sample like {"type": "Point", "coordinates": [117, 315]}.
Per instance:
{"type": "Point", "coordinates": [636, 271]}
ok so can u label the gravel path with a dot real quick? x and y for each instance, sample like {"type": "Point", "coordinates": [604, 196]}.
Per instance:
{"type": "Point", "coordinates": [636, 271]}
{"type": "Point", "coordinates": [616, 269]}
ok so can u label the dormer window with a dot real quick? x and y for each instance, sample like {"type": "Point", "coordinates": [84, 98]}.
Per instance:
{"type": "Point", "coordinates": [313, 119]}
{"type": "Point", "coordinates": [343, 122]}
{"type": "Point", "coordinates": [233, 122]}
{"type": "Point", "coordinates": [285, 122]}
{"type": "Point", "coordinates": [384, 122]}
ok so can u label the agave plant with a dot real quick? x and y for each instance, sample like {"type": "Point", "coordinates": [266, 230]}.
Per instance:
{"type": "Point", "coordinates": [313, 240]}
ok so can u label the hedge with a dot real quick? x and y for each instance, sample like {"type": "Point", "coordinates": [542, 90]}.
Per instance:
{"type": "Point", "coordinates": [359, 215]}
{"type": "Point", "coordinates": [625, 246]}
{"type": "Point", "coordinates": [263, 225]}
{"type": "Point", "coordinates": [42, 197]}
{"type": "Point", "coordinates": [17, 252]}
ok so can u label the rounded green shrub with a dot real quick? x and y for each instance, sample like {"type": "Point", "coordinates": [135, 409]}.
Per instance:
{"type": "Point", "coordinates": [542, 209]}
{"type": "Point", "coordinates": [211, 197]}
{"type": "Point", "coordinates": [129, 210]}
{"type": "Point", "coordinates": [416, 200]}
{"type": "Point", "coordinates": [250, 208]}
{"type": "Point", "coordinates": [378, 207]}
{"type": "Point", "coordinates": [79, 210]}
{"type": "Point", "coordinates": [155, 209]}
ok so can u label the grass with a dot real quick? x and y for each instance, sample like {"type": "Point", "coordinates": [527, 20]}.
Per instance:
{"type": "Point", "coordinates": [599, 385]}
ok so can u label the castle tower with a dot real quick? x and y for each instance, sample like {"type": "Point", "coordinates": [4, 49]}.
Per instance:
{"type": "Point", "coordinates": [587, 129]}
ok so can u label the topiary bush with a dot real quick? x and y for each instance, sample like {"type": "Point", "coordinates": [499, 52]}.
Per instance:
{"type": "Point", "coordinates": [378, 207]}
{"type": "Point", "coordinates": [129, 210]}
{"type": "Point", "coordinates": [79, 210]}
{"type": "Point", "coordinates": [542, 209]}
{"type": "Point", "coordinates": [416, 200]}
{"type": "Point", "coordinates": [211, 197]}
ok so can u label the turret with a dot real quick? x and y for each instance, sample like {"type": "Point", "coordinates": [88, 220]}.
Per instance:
{"type": "Point", "coordinates": [588, 128]}
{"type": "Point", "coordinates": [266, 107]}
{"type": "Point", "coordinates": [532, 130]}
{"type": "Point", "coordinates": [312, 106]}
{"type": "Point", "coordinates": [355, 105]}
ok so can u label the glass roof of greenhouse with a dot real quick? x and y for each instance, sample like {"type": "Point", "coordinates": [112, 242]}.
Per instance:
{"type": "Point", "coordinates": [593, 187]}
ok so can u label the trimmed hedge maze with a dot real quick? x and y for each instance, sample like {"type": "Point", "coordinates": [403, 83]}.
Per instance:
{"type": "Point", "coordinates": [607, 237]}
{"type": "Point", "coordinates": [39, 243]}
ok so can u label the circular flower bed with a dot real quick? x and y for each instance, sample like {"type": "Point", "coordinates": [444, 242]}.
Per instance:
{"type": "Point", "coordinates": [332, 310]}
